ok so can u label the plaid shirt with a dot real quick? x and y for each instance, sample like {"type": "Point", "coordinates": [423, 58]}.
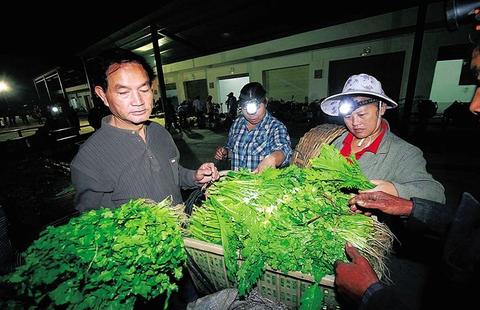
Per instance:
{"type": "Point", "coordinates": [249, 148]}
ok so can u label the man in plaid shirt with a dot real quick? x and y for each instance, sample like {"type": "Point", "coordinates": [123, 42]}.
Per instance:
{"type": "Point", "coordinates": [256, 140]}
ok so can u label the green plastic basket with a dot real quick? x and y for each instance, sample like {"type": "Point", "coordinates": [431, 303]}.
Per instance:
{"type": "Point", "coordinates": [274, 285]}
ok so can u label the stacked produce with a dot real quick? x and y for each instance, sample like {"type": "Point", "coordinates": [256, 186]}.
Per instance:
{"type": "Point", "coordinates": [105, 258]}
{"type": "Point", "coordinates": [290, 219]}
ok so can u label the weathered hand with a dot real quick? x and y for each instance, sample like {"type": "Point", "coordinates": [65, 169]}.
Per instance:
{"type": "Point", "coordinates": [207, 172]}
{"type": "Point", "coordinates": [364, 202]}
{"type": "Point", "coordinates": [353, 279]}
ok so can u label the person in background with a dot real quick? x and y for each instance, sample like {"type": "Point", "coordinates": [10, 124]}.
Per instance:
{"type": "Point", "coordinates": [256, 140]}
{"type": "Point", "coordinates": [210, 111]}
{"type": "Point", "coordinates": [129, 157]}
{"type": "Point", "coordinates": [171, 119]}
{"type": "Point", "coordinates": [393, 165]}
{"type": "Point", "coordinates": [232, 105]}
{"type": "Point", "coordinates": [232, 108]}
{"type": "Point", "coordinates": [183, 115]}
{"type": "Point", "coordinates": [200, 107]}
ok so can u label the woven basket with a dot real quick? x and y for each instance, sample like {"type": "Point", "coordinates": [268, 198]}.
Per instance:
{"type": "Point", "coordinates": [310, 144]}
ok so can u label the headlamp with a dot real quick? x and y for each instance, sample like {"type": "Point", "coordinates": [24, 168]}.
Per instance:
{"type": "Point", "coordinates": [347, 105]}
{"type": "Point", "coordinates": [251, 106]}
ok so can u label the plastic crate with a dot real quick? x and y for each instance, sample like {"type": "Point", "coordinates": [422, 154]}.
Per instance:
{"type": "Point", "coordinates": [274, 285]}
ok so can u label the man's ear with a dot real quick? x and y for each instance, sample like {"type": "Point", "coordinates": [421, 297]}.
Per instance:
{"type": "Point", "coordinates": [101, 93]}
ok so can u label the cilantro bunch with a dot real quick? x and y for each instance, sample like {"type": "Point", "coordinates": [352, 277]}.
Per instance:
{"type": "Point", "coordinates": [105, 258]}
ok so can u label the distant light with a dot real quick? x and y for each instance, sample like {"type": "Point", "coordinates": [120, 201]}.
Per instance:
{"type": "Point", "coordinates": [55, 109]}
{"type": "Point", "coordinates": [4, 87]}
{"type": "Point", "coordinates": [226, 34]}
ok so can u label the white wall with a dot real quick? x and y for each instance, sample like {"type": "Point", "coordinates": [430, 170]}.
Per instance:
{"type": "Point", "coordinates": [445, 87]}
{"type": "Point", "coordinates": [226, 86]}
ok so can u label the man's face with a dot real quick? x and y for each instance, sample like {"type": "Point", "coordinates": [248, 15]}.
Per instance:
{"type": "Point", "coordinates": [256, 118]}
{"type": "Point", "coordinates": [129, 94]}
{"type": "Point", "coordinates": [475, 66]}
{"type": "Point", "coordinates": [363, 121]}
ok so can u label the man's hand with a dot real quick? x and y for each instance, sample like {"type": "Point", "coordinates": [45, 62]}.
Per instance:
{"type": "Point", "coordinates": [386, 203]}
{"type": "Point", "coordinates": [353, 279]}
{"type": "Point", "coordinates": [383, 186]}
{"type": "Point", "coordinates": [207, 172]}
{"type": "Point", "coordinates": [221, 153]}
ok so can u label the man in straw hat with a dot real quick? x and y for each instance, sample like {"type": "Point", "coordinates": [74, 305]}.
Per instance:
{"type": "Point", "coordinates": [394, 165]}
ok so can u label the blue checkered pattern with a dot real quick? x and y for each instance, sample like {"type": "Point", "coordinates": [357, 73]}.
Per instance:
{"type": "Point", "coordinates": [250, 147]}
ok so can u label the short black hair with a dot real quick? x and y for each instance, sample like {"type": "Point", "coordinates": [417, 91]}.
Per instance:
{"type": "Point", "coordinates": [252, 91]}
{"type": "Point", "coordinates": [104, 60]}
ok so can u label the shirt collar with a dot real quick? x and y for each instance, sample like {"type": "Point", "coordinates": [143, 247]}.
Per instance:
{"type": "Point", "coordinates": [265, 120]}
{"type": "Point", "coordinates": [107, 126]}
{"type": "Point", "coordinates": [372, 148]}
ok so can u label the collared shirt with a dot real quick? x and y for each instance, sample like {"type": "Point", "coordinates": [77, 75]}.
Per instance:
{"type": "Point", "coordinates": [115, 165]}
{"type": "Point", "coordinates": [250, 147]}
{"type": "Point", "coordinates": [372, 148]}
{"type": "Point", "coordinates": [402, 164]}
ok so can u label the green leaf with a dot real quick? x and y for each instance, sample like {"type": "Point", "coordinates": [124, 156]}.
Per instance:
{"type": "Point", "coordinates": [312, 298]}
{"type": "Point", "coordinates": [104, 258]}
{"type": "Point", "coordinates": [60, 294]}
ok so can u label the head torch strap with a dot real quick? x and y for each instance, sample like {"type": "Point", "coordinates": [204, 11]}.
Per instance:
{"type": "Point", "coordinates": [348, 105]}
{"type": "Point", "coordinates": [366, 101]}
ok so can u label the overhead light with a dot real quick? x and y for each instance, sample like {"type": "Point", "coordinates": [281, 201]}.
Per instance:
{"type": "Point", "coordinates": [149, 46]}
{"type": "Point", "coordinates": [161, 52]}
{"type": "Point", "coordinates": [144, 48]}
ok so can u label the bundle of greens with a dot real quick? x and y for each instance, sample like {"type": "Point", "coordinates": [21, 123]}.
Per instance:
{"type": "Point", "coordinates": [104, 258]}
{"type": "Point", "coordinates": [290, 219]}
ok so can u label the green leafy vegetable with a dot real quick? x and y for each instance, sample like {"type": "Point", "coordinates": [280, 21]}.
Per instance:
{"type": "Point", "coordinates": [105, 258]}
{"type": "Point", "coordinates": [290, 219]}
{"type": "Point", "coordinates": [311, 298]}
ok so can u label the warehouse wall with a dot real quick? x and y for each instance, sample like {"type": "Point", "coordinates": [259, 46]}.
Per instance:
{"type": "Point", "coordinates": [383, 34]}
